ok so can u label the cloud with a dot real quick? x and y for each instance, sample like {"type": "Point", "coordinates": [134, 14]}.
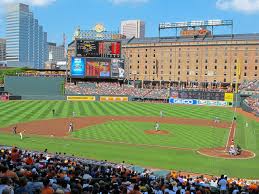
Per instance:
{"type": "Point", "coordinates": [246, 6]}
{"type": "Point", "coordinates": [30, 2]}
{"type": "Point", "coordinates": [119, 2]}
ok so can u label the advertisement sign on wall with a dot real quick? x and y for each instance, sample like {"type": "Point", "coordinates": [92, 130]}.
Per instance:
{"type": "Point", "coordinates": [114, 98]}
{"type": "Point", "coordinates": [229, 97]}
{"type": "Point", "coordinates": [81, 98]}
{"type": "Point", "coordinates": [78, 67]}
{"type": "Point", "coordinates": [182, 101]}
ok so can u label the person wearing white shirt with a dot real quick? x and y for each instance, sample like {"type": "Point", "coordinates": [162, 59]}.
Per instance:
{"type": "Point", "coordinates": [222, 185]}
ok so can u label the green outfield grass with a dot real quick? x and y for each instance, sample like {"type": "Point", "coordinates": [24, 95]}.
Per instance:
{"type": "Point", "coordinates": [181, 135]}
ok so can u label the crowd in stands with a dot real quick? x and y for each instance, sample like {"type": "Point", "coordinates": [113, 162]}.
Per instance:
{"type": "Point", "coordinates": [110, 88]}
{"type": "Point", "coordinates": [32, 172]}
{"type": "Point", "coordinates": [250, 86]}
{"type": "Point", "coordinates": [253, 102]}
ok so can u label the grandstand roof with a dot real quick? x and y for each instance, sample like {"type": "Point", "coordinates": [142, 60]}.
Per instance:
{"type": "Point", "coordinates": [235, 37]}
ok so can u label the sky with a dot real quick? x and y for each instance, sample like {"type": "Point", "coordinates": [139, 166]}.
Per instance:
{"type": "Point", "coordinates": [63, 16]}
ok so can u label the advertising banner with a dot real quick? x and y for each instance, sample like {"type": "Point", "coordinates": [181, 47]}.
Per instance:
{"type": "Point", "coordinates": [92, 69]}
{"type": "Point", "coordinates": [183, 101]}
{"type": "Point", "coordinates": [229, 97]}
{"type": "Point", "coordinates": [104, 69]}
{"type": "Point", "coordinates": [117, 68]}
{"type": "Point", "coordinates": [114, 98]}
{"type": "Point", "coordinates": [81, 98]}
{"type": "Point", "coordinates": [78, 67]}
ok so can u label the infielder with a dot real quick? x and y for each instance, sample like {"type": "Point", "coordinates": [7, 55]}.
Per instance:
{"type": "Point", "coordinates": [70, 128]}
{"type": "Point", "coordinates": [21, 136]}
{"type": "Point", "coordinates": [14, 130]}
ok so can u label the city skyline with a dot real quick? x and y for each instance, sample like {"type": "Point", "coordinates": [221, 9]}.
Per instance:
{"type": "Point", "coordinates": [152, 12]}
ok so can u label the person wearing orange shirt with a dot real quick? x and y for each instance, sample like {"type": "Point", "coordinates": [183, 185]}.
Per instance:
{"type": "Point", "coordinates": [47, 189]}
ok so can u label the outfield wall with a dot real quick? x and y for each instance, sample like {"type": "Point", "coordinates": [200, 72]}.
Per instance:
{"type": "Point", "coordinates": [35, 88]}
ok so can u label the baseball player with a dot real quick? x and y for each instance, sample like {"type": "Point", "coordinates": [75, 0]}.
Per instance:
{"type": "Point", "coordinates": [14, 130]}
{"type": "Point", "coordinates": [70, 128]}
{"type": "Point", "coordinates": [53, 112]}
{"type": "Point", "coordinates": [161, 113]}
{"type": "Point", "coordinates": [21, 134]}
{"type": "Point", "coordinates": [157, 127]}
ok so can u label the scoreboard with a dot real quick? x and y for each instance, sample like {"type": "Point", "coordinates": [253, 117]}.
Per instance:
{"type": "Point", "coordinates": [96, 48]}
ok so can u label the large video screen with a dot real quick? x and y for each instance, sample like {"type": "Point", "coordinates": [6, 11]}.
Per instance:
{"type": "Point", "coordinates": [97, 68]}
{"type": "Point", "coordinates": [77, 67]}
{"type": "Point", "coordinates": [103, 49]}
{"type": "Point", "coordinates": [117, 68]}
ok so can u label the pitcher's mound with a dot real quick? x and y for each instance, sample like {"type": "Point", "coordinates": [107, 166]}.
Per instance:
{"type": "Point", "coordinates": [155, 132]}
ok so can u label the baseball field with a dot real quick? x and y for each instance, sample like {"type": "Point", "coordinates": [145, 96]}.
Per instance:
{"type": "Point", "coordinates": [124, 131]}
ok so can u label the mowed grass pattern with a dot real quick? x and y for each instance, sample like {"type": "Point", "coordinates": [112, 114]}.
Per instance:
{"type": "Point", "coordinates": [21, 111]}
{"type": "Point", "coordinates": [182, 136]}
{"type": "Point", "coordinates": [186, 160]}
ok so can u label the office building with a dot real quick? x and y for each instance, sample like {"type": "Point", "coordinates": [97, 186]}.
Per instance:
{"type": "Point", "coordinates": [2, 49]}
{"type": "Point", "coordinates": [133, 28]}
{"type": "Point", "coordinates": [26, 42]}
{"type": "Point", "coordinates": [57, 52]}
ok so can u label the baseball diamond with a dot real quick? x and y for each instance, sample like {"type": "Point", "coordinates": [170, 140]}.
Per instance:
{"type": "Point", "coordinates": [115, 130]}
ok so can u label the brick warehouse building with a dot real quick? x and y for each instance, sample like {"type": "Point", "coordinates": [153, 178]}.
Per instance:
{"type": "Point", "coordinates": [190, 59]}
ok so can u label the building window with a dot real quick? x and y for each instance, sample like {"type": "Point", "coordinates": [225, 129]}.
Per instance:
{"type": "Point", "coordinates": [187, 73]}
{"type": "Point", "coordinates": [145, 72]}
{"type": "Point", "coordinates": [246, 61]}
{"type": "Point", "coordinates": [154, 50]}
{"type": "Point", "coordinates": [245, 74]}
{"type": "Point", "coordinates": [145, 61]}
{"type": "Point", "coordinates": [154, 55]}
{"type": "Point", "coordinates": [146, 55]}
{"type": "Point", "coordinates": [225, 67]}
{"type": "Point", "coordinates": [215, 67]}
{"type": "Point", "coordinates": [188, 61]}
{"type": "Point", "coordinates": [206, 61]}
{"type": "Point", "coordinates": [235, 67]}
{"type": "Point", "coordinates": [154, 61]}
{"type": "Point", "coordinates": [235, 61]}
{"type": "Point", "coordinates": [170, 60]}
{"type": "Point", "coordinates": [179, 67]}
{"type": "Point", "coordinates": [188, 67]}
{"type": "Point", "coordinates": [138, 66]}
{"type": "Point", "coordinates": [197, 61]}
{"type": "Point", "coordinates": [138, 61]}
{"type": "Point", "coordinates": [225, 80]}
{"type": "Point", "coordinates": [179, 61]}
{"type": "Point", "coordinates": [170, 72]}
{"type": "Point", "coordinates": [245, 67]}
{"type": "Point", "coordinates": [146, 49]}
{"type": "Point", "coordinates": [154, 67]}
{"type": "Point", "coordinates": [130, 66]}
{"type": "Point", "coordinates": [179, 72]}
{"type": "Point", "coordinates": [256, 60]}
{"type": "Point", "coordinates": [145, 67]}
{"type": "Point", "coordinates": [225, 74]}
{"type": "Point", "coordinates": [206, 67]}
{"type": "Point", "coordinates": [130, 55]}
{"type": "Point", "coordinates": [255, 67]}
{"type": "Point", "coordinates": [138, 55]}
{"type": "Point", "coordinates": [216, 60]}
{"type": "Point", "coordinates": [196, 73]}
{"type": "Point", "coordinates": [235, 74]}
{"type": "Point", "coordinates": [170, 66]}
{"type": "Point", "coordinates": [256, 75]}
{"type": "Point", "coordinates": [226, 61]}
{"type": "Point", "coordinates": [197, 67]}
{"type": "Point", "coordinates": [153, 72]}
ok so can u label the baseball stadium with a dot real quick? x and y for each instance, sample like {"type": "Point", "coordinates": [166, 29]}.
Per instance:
{"type": "Point", "coordinates": [101, 121]}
